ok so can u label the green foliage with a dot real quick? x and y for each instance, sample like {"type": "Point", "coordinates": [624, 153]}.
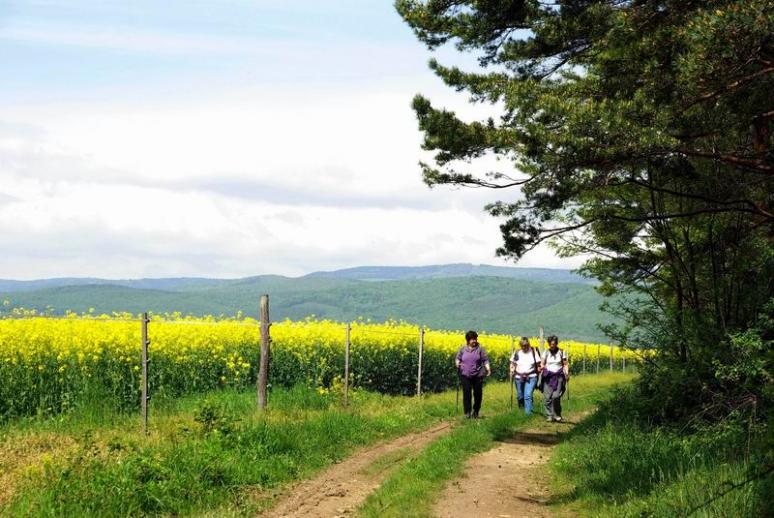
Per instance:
{"type": "Point", "coordinates": [215, 419]}
{"type": "Point", "coordinates": [618, 463]}
{"type": "Point", "coordinates": [639, 133]}
{"type": "Point", "coordinates": [730, 381]}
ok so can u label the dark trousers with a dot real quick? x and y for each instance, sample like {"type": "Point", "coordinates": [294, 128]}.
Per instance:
{"type": "Point", "coordinates": [553, 398]}
{"type": "Point", "coordinates": [472, 385]}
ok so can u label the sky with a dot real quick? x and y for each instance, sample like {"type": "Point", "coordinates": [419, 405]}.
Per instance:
{"type": "Point", "coordinates": [224, 139]}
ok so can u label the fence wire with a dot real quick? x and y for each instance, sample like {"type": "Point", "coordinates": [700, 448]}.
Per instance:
{"type": "Point", "coordinates": [70, 360]}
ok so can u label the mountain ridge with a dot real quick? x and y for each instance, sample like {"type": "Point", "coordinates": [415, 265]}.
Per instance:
{"type": "Point", "coordinates": [363, 273]}
{"type": "Point", "coordinates": [487, 303]}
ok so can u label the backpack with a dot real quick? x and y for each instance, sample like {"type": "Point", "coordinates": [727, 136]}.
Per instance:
{"type": "Point", "coordinates": [539, 383]}
{"type": "Point", "coordinates": [535, 361]}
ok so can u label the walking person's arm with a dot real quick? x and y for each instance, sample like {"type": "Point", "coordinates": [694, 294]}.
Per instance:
{"type": "Point", "coordinates": [485, 358]}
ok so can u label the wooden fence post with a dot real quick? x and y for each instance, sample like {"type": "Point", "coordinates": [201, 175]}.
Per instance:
{"type": "Point", "coordinates": [584, 358]}
{"type": "Point", "coordinates": [263, 367]}
{"type": "Point", "coordinates": [346, 366]}
{"type": "Point", "coordinates": [145, 397]}
{"type": "Point", "coordinates": [599, 353]}
{"type": "Point", "coordinates": [421, 352]}
{"type": "Point", "coordinates": [540, 347]}
{"type": "Point", "coordinates": [611, 357]}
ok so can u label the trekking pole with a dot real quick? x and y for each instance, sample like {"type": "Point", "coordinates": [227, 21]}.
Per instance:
{"type": "Point", "coordinates": [567, 381]}
{"type": "Point", "coordinates": [510, 373]}
{"type": "Point", "coordinates": [457, 402]}
{"type": "Point", "coordinates": [510, 379]}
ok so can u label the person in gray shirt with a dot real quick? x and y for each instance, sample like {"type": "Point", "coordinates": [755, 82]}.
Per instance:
{"type": "Point", "coordinates": [556, 374]}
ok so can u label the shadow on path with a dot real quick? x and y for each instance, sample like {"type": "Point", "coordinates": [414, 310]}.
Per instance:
{"type": "Point", "coordinates": [510, 480]}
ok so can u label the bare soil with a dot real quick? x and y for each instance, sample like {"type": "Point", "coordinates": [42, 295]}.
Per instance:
{"type": "Point", "coordinates": [508, 481]}
{"type": "Point", "coordinates": [340, 489]}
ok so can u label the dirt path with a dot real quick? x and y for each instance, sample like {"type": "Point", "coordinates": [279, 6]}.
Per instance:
{"type": "Point", "coordinates": [508, 481]}
{"type": "Point", "coordinates": [340, 489]}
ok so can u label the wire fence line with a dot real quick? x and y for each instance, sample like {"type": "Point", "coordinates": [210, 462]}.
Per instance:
{"type": "Point", "coordinates": [70, 356]}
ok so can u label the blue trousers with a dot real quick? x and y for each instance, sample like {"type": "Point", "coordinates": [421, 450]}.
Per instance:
{"type": "Point", "coordinates": [524, 390]}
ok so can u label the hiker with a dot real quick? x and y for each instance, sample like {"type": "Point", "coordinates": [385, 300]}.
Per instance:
{"type": "Point", "coordinates": [525, 365]}
{"type": "Point", "coordinates": [472, 366]}
{"type": "Point", "coordinates": [556, 374]}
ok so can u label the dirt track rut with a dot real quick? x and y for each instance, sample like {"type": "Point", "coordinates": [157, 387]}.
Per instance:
{"type": "Point", "coordinates": [507, 481]}
{"type": "Point", "coordinates": [340, 489]}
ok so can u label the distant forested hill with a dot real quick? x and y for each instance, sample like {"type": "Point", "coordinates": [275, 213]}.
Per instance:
{"type": "Point", "coordinates": [393, 273]}
{"type": "Point", "coordinates": [506, 304]}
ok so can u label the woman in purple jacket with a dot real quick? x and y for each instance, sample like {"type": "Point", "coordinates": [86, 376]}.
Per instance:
{"type": "Point", "coordinates": [473, 366]}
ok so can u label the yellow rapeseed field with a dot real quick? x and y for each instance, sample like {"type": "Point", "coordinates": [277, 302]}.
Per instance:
{"type": "Point", "coordinates": [48, 365]}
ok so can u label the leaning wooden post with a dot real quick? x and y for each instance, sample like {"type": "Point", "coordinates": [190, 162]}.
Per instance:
{"type": "Point", "coordinates": [346, 366]}
{"type": "Point", "coordinates": [421, 352]}
{"type": "Point", "coordinates": [623, 362]}
{"type": "Point", "coordinates": [540, 347]}
{"type": "Point", "coordinates": [263, 367]}
{"type": "Point", "coordinates": [145, 397]}
{"type": "Point", "coordinates": [611, 357]}
{"type": "Point", "coordinates": [584, 358]}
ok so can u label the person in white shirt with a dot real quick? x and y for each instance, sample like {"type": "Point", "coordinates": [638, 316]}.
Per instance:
{"type": "Point", "coordinates": [556, 374]}
{"type": "Point", "coordinates": [525, 364]}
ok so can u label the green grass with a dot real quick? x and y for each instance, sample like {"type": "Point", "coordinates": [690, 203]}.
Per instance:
{"type": "Point", "coordinates": [614, 465]}
{"type": "Point", "coordinates": [208, 453]}
{"type": "Point", "coordinates": [412, 488]}
{"type": "Point", "coordinates": [387, 461]}
{"type": "Point", "coordinates": [214, 455]}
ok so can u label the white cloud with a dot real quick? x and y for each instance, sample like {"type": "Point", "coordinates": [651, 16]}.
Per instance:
{"type": "Point", "coordinates": [171, 138]}
{"type": "Point", "coordinates": [331, 144]}
{"type": "Point", "coordinates": [121, 231]}
{"type": "Point", "coordinates": [238, 183]}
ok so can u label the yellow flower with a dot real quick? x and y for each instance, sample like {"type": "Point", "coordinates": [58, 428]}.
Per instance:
{"type": "Point", "coordinates": [189, 354]}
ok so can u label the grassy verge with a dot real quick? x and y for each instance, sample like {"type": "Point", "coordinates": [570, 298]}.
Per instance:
{"type": "Point", "coordinates": [411, 489]}
{"type": "Point", "coordinates": [211, 453]}
{"type": "Point", "coordinates": [613, 464]}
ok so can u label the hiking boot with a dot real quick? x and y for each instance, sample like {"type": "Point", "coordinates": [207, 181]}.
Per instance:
{"type": "Point", "coordinates": [558, 419]}
{"type": "Point", "coordinates": [549, 419]}
{"type": "Point", "coordinates": [475, 415]}
{"type": "Point", "coordinates": [521, 403]}
{"type": "Point", "coordinates": [467, 416]}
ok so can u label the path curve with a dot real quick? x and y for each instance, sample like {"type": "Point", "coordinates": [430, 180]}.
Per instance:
{"type": "Point", "coordinates": [341, 488]}
{"type": "Point", "coordinates": [507, 481]}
